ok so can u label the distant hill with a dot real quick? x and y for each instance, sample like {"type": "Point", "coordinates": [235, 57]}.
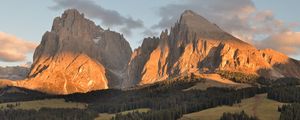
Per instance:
{"type": "Point", "coordinates": [14, 73]}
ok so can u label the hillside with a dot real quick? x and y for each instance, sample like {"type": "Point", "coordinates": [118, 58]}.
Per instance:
{"type": "Point", "coordinates": [259, 105]}
{"type": "Point", "coordinates": [163, 100]}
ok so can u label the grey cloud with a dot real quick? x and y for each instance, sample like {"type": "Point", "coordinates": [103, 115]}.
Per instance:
{"type": "Point", "coordinates": [238, 17]}
{"type": "Point", "coordinates": [131, 24]}
{"type": "Point", "coordinates": [14, 49]}
{"type": "Point", "coordinates": [226, 14]}
{"type": "Point", "coordinates": [150, 33]}
{"type": "Point", "coordinates": [108, 17]}
{"type": "Point", "coordinates": [286, 42]}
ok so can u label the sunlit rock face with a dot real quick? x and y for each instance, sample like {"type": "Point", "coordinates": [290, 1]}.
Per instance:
{"type": "Point", "coordinates": [78, 56]}
{"type": "Point", "coordinates": [195, 45]}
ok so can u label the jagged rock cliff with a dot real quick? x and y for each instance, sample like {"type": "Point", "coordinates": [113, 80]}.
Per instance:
{"type": "Point", "coordinates": [195, 45]}
{"type": "Point", "coordinates": [78, 56]}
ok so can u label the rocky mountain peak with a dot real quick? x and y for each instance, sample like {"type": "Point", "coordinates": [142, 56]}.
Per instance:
{"type": "Point", "coordinates": [74, 22]}
{"type": "Point", "coordinates": [72, 12]}
{"type": "Point", "coordinates": [194, 27]}
{"type": "Point", "coordinates": [196, 45]}
{"type": "Point", "coordinates": [78, 56]}
{"type": "Point", "coordinates": [188, 12]}
{"type": "Point", "coordinates": [197, 23]}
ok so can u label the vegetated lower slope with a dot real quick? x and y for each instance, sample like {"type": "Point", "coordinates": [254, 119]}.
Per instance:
{"type": "Point", "coordinates": [47, 114]}
{"type": "Point", "coordinates": [290, 112]}
{"type": "Point", "coordinates": [237, 116]}
{"type": "Point", "coordinates": [38, 104]}
{"type": "Point", "coordinates": [14, 94]}
{"type": "Point", "coordinates": [167, 100]}
{"type": "Point", "coordinates": [289, 94]}
{"type": "Point", "coordinates": [107, 116]}
{"type": "Point", "coordinates": [259, 106]}
{"type": "Point", "coordinates": [264, 106]}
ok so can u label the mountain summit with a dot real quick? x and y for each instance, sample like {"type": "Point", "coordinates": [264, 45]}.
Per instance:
{"type": "Point", "coordinates": [195, 45]}
{"type": "Point", "coordinates": [78, 56]}
{"type": "Point", "coordinates": [197, 23]}
{"type": "Point", "coordinates": [193, 23]}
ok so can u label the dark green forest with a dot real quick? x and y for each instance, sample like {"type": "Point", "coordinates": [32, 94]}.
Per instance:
{"type": "Point", "coordinates": [290, 112]}
{"type": "Point", "coordinates": [237, 116]}
{"type": "Point", "coordinates": [47, 114]}
{"type": "Point", "coordinates": [239, 77]}
{"type": "Point", "coordinates": [167, 101]}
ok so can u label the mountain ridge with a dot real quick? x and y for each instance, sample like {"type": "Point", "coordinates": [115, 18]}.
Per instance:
{"type": "Point", "coordinates": [194, 45]}
{"type": "Point", "coordinates": [78, 56]}
{"type": "Point", "coordinates": [201, 27]}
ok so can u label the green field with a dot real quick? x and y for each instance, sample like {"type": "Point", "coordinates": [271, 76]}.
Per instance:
{"type": "Point", "coordinates": [47, 103]}
{"type": "Point", "coordinates": [60, 103]}
{"type": "Point", "coordinates": [106, 116]}
{"type": "Point", "coordinates": [259, 106]}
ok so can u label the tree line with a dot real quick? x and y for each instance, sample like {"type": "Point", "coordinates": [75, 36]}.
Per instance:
{"type": "Point", "coordinates": [288, 94]}
{"type": "Point", "coordinates": [290, 112]}
{"type": "Point", "coordinates": [238, 77]}
{"type": "Point", "coordinates": [237, 116]}
{"type": "Point", "coordinates": [47, 114]}
{"type": "Point", "coordinates": [167, 100]}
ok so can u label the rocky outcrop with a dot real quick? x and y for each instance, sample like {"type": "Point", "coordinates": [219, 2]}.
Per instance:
{"type": "Point", "coordinates": [195, 45]}
{"type": "Point", "coordinates": [78, 56]}
{"type": "Point", "coordinates": [138, 60]}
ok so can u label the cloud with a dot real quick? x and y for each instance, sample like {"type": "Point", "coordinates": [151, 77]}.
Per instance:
{"type": "Point", "coordinates": [108, 17]}
{"type": "Point", "coordinates": [230, 15]}
{"type": "Point", "coordinates": [14, 49]}
{"type": "Point", "coordinates": [238, 17]}
{"type": "Point", "coordinates": [149, 33]}
{"type": "Point", "coordinates": [287, 42]}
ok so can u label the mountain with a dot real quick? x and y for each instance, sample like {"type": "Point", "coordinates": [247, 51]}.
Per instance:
{"type": "Point", "coordinates": [77, 56]}
{"type": "Point", "coordinates": [14, 73]}
{"type": "Point", "coordinates": [195, 45]}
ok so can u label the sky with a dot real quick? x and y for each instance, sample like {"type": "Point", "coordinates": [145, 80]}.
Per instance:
{"type": "Point", "coordinates": [271, 24]}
